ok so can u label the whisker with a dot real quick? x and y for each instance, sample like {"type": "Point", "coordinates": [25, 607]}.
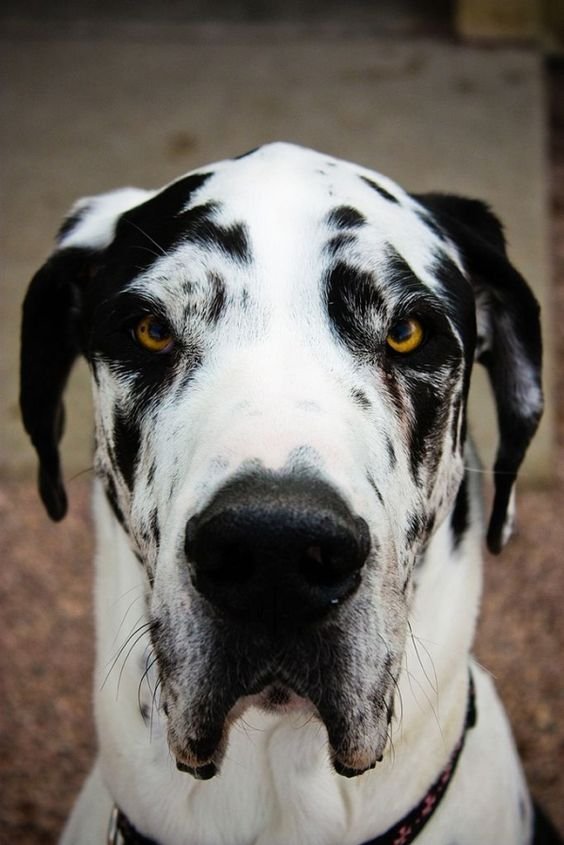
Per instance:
{"type": "Point", "coordinates": [150, 661]}
{"type": "Point", "coordinates": [126, 614]}
{"type": "Point", "coordinates": [411, 677]}
{"type": "Point", "coordinates": [145, 234]}
{"type": "Point", "coordinates": [123, 665]}
{"type": "Point", "coordinates": [435, 688]}
{"type": "Point", "coordinates": [146, 249]}
{"type": "Point", "coordinates": [79, 474]}
{"type": "Point", "coordinates": [138, 633]}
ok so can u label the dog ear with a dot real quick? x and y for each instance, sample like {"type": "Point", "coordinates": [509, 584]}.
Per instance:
{"type": "Point", "coordinates": [50, 338]}
{"type": "Point", "coordinates": [508, 344]}
{"type": "Point", "coordinates": [49, 346]}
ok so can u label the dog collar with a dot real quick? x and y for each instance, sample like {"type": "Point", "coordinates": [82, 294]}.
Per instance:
{"type": "Point", "coordinates": [122, 832]}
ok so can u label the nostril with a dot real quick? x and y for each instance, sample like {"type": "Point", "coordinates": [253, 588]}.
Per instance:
{"type": "Point", "coordinates": [219, 560]}
{"type": "Point", "coordinates": [325, 565]}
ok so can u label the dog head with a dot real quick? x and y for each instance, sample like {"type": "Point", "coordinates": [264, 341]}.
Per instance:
{"type": "Point", "coordinates": [281, 348]}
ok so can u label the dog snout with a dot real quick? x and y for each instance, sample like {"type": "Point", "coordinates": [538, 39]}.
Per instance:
{"type": "Point", "coordinates": [276, 550]}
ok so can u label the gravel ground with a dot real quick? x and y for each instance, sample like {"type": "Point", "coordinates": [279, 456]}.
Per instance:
{"type": "Point", "coordinates": [46, 659]}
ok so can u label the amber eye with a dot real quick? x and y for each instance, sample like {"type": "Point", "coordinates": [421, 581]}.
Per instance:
{"type": "Point", "coordinates": [405, 335]}
{"type": "Point", "coordinates": [153, 334]}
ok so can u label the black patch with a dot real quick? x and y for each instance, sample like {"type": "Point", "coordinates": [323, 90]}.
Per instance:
{"type": "Point", "coordinates": [359, 308]}
{"type": "Point", "coordinates": [460, 304]}
{"type": "Point", "coordinates": [127, 443]}
{"type": "Point", "coordinates": [375, 488]}
{"type": "Point", "coordinates": [111, 339]}
{"type": "Point", "coordinates": [392, 457]}
{"type": "Point", "coordinates": [435, 312]}
{"type": "Point", "coordinates": [217, 303]}
{"type": "Point", "coordinates": [393, 389]}
{"type": "Point", "coordinates": [111, 496]}
{"type": "Point", "coordinates": [338, 243]}
{"type": "Point", "coordinates": [154, 527]}
{"type": "Point", "coordinates": [353, 302]}
{"type": "Point", "coordinates": [441, 351]}
{"type": "Point", "coordinates": [415, 528]}
{"type": "Point", "coordinates": [346, 217]}
{"type": "Point", "coordinates": [459, 520]}
{"type": "Point", "coordinates": [148, 231]}
{"type": "Point", "coordinates": [360, 398]}
{"type": "Point", "coordinates": [197, 226]}
{"type": "Point", "coordinates": [71, 221]}
{"type": "Point", "coordinates": [108, 336]}
{"type": "Point", "coordinates": [380, 190]}
{"type": "Point", "coordinates": [143, 235]}
{"type": "Point", "coordinates": [428, 414]}
{"type": "Point", "coordinates": [234, 241]}
{"type": "Point", "coordinates": [458, 432]}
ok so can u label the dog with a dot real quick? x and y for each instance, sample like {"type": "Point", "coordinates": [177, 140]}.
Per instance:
{"type": "Point", "coordinates": [287, 502]}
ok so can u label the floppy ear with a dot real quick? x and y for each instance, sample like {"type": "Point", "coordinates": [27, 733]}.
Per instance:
{"type": "Point", "coordinates": [50, 339]}
{"type": "Point", "coordinates": [508, 345]}
{"type": "Point", "coordinates": [49, 346]}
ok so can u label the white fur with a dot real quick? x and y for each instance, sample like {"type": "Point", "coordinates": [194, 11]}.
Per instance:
{"type": "Point", "coordinates": [272, 383]}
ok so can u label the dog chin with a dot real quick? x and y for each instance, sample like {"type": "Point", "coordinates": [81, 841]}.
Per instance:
{"type": "Point", "coordinates": [277, 700]}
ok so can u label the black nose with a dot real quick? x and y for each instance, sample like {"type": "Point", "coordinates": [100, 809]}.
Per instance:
{"type": "Point", "coordinates": [275, 549]}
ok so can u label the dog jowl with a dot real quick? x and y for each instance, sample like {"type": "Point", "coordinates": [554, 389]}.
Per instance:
{"type": "Point", "coordinates": [281, 348]}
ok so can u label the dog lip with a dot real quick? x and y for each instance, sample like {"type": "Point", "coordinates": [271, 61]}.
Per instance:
{"type": "Point", "coordinates": [348, 772]}
{"type": "Point", "coordinates": [205, 772]}
{"type": "Point", "coordinates": [202, 757]}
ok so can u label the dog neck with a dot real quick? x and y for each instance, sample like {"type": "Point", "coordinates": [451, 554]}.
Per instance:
{"type": "Point", "coordinates": [276, 783]}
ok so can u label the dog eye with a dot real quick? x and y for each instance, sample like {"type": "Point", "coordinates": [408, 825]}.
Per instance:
{"type": "Point", "coordinates": [153, 334]}
{"type": "Point", "coordinates": [405, 335]}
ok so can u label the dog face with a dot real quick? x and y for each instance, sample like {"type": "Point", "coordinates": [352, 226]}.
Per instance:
{"type": "Point", "coordinates": [281, 348]}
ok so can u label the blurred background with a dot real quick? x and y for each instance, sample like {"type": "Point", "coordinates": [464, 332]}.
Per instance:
{"type": "Point", "coordinates": [465, 96]}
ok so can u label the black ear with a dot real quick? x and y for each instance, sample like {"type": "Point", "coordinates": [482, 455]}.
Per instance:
{"type": "Point", "coordinates": [49, 346]}
{"type": "Point", "coordinates": [509, 340]}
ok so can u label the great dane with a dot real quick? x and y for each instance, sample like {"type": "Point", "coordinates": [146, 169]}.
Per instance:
{"type": "Point", "coordinates": [287, 503]}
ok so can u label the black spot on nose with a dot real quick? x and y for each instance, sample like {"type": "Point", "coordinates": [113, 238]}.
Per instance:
{"type": "Point", "coordinates": [276, 549]}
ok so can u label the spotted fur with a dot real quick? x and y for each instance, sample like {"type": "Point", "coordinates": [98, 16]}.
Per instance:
{"type": "Point", "coordinates": [279, 276]}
